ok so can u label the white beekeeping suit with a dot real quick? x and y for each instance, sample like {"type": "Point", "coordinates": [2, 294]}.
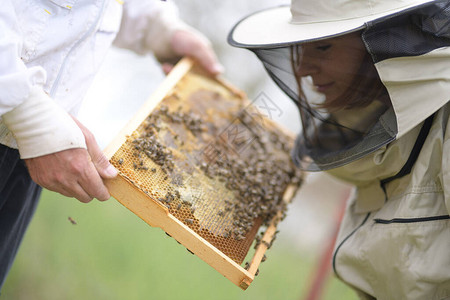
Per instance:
{"type": "Point", "coordinates": [387, 131]}
{"type": "Point", "coordinates": [50, 51]}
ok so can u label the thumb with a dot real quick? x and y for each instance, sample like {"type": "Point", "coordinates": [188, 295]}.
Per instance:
{"type": "Point", "coordinates": [101, 163]}
{"type": "Point", "coordinates": [166, 67]}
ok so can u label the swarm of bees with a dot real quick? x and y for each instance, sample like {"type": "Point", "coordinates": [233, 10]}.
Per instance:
{"type": "Point", "coordinates": [257, 176]}
{"type": "Point", "coordinates": [191, 120]}
{"type": "Point", "coordinates": [149, 145]}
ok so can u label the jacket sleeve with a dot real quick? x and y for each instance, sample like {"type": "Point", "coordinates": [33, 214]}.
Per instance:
{"type": "Point", "coordinates": [446, 160]}
{"type": "Point", "coordinates": [147, 26]}
{"type": "Point", "coordinates": [38, 124]}
{"type": "Point", "coordinates": [16, 79]}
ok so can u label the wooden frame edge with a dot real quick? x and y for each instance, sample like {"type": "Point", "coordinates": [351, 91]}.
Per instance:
{"type": "Point", "coordinates": [160, 217]}
{"type": "Point", "coordinates": [269, 234]}
{"type": "Point", "coordinates": [187, 237]}
{"type": "Point", "coordinates": [156, 97]}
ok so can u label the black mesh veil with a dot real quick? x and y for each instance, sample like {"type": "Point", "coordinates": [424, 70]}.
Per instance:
{"type": "Point", "coordinates": [346, 112]}
{"type": "Point", "coordinates": [333, 133]}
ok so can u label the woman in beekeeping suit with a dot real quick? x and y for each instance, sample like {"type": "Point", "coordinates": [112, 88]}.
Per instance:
{"type": "Point", "coordinates": [371, 80]}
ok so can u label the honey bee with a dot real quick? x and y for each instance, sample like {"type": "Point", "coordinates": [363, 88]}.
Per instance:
{"type": "Point", "coordinates": [266, 244]}
{"type": "Point", "coordinates": [72, 221]}
{"type": "Point", "coordinates": [240, 237]}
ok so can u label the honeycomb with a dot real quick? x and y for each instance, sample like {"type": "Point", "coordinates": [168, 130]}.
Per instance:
{"type": "Point", "coordinates": [213, 161]}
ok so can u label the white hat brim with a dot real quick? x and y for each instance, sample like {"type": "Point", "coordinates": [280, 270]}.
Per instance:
{"type": "Point", "coordinates": [273, 27]}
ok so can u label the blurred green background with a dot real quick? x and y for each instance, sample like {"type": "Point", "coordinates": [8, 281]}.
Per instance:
{"type": "Point", "coordinates": [112, 254]}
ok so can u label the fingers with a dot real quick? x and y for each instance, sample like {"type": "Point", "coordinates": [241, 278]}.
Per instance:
{"type": "Point", "coordinates": [198, 47]}
{"type": "Point", "coordinates": [166, 67]}
{"type": "Point", "coordinates": [101, 163]}
{"type": "Point", "coordinates": [70, 173]}
{"type": "Point", "coordinates": [75, 191]}
{"type": "Point", "coordinates": [74, 172]}
{"type": "Point", "coordinates": [93, 185]}
{"type": "Point", "coordinates": [85, 187]}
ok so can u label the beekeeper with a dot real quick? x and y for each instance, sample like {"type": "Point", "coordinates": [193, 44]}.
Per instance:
{"type": "Point", "coordinates": [50, 51]}
{"type": "Point", "coordinates": [372, 81]}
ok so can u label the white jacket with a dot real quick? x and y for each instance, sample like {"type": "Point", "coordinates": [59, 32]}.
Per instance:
{"type": "Point", "coordinates": [50, 51]}
{"type": "Point", "coordinates": [395, 244]}
{"type": "Point", "coordinates": [394, 240]}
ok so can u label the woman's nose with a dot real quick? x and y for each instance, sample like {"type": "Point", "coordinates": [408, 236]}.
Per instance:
{"type": "Point", "coordinates": [307, 67]}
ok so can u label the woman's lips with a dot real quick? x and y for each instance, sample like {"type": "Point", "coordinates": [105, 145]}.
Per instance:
{"type": "Point", "coordinates": [321, 88]}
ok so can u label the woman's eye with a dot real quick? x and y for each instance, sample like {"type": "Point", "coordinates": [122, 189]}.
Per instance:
{"type": "Point", "coordinates": [323, 48]}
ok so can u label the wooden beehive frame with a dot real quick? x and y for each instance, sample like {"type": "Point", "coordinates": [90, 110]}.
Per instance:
{"type": "Point", "coordinates": [157, 215]}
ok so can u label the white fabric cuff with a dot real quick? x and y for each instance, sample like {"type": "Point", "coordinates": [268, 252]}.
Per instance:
{"type": "Point", "coordinates": [40, 126]}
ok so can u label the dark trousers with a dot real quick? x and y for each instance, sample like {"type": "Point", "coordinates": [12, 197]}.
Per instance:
{"type": "Point", "coordinates": [19, 196]}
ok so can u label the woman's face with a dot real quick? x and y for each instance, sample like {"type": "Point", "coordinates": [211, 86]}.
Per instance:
{"type": "Point", "coordinates": [332, 64]}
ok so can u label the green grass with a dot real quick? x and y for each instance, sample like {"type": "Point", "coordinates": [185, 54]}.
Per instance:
{"type": "Point", "coordinates": [112, 254]}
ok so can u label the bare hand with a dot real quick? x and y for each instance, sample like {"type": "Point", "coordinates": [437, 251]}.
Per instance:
{"type": "Point", "coordinates": [74, 172]}
{"type": "Point", "coordinates": [186, 43]}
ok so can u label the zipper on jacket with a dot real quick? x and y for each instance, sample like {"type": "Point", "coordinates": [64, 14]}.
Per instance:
{"type": "Point", "coordinates": [344, 240]}
{"type": "Point", "coordinates": [84, 37]}
{"type": "Point", "coordinates": [411, 220]}
{"type": "Point", "coordinates": [406, 169]}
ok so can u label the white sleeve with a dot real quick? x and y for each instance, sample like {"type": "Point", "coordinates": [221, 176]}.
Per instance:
{"type": "Point", "coordinates": [38, 124]}
{"type": "Point", "coordinates": [16, 80]}
{"type": "Point", "coordinates": [41, 126]}
{"type": "Point", "coordinates": [148, 26]}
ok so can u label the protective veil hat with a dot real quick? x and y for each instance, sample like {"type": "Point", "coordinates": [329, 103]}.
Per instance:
{"type": "Point", "coordinates": [362, 72]}
{"type": "Point", "coordinates": [306, 20]}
